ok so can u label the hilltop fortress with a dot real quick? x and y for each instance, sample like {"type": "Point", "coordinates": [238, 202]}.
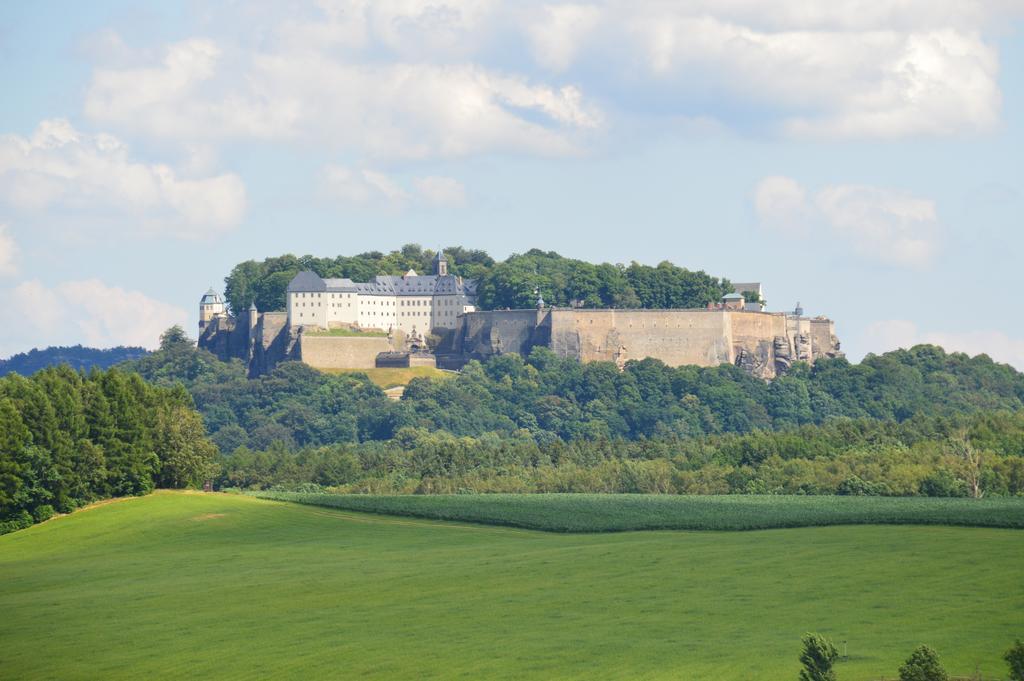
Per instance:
{"type": "Point", "coordinates": [432, 319]}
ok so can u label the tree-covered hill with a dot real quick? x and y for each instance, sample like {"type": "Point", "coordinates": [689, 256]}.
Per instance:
{"type": "Point", "coordinates": [75, 356]}
{"type": "Point", "coordinates": [512, 283]}
{"type": "Point", "coordinates": [545, 398]}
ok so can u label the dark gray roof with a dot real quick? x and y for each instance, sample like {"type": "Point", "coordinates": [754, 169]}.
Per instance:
{"type": "Point", "coordinates": [306, 281]}
{"type": "Point", "coordinates": [387, 285]}
{"type": "Point", "coordinates": [440, 256]}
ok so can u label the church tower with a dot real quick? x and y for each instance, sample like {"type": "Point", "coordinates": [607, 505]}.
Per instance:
{"type": "Point", "coordinates": [211, 306]}
{"type": "Point", "coordinates": [440, 263]}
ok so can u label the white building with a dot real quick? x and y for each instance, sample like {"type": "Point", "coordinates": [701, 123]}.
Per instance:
{"type": "Point", "coordinates": [211, 306]}
{"type": "Point", "coordinates": [408, 302]}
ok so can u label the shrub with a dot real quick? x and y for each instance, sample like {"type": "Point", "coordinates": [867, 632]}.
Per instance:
{"type": "Point", "coordinates": [19, 522]}
{"type": "Point", "coordinates": [1015, 658]}
{"type": "Point", "coordinates": [817, 657]}
{"type": "Point", "coordinates": [923, 665]}
{"type": "Point", "coordinates": [43, 512]}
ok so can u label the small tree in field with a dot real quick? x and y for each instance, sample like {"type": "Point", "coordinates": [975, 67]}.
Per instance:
{"type": "Point", "coordinates": [817, 658]}
{"type": "Point", "coordinates": [1015, 658]}
{"type": "Point", "coordinates": [923, 665]}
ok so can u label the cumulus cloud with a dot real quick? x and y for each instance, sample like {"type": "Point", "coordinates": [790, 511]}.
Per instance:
{"type": "Point", "coordinates": [8, 252]}
{"type": "Point", "coordinates": [95, 175]}
{"type": "Point", "coordinates": [839, 69]}
{"type": "Point", "coordinates": [88, 311]}
{"type": "Point", "coordinates": [441, 191]}
{"type": "Point", "coordinates": [365, 186]}
{"type": "Point", "coordinates": [361, 186]}
{"type": "Point", "coordinates": [378, 108]}
{"type": "Point", "coordinates": [399, 79]}
{"type": "Point", "coordinates": [890, 334]}
{"type": "Point", "coordinates": [879, 224]}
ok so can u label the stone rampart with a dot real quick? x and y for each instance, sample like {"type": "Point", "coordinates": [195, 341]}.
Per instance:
{"type": "Point", "coordinates": [341, 352]}
{"type": "Point", "coordinates": [482, 334]}
{"type": "Point", "coordinates": [762, 343]}
{"type": "Point", "coordinates": [676, 337]}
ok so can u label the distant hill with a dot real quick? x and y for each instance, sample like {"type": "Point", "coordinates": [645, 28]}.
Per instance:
{"type": "Point", "coordinates": [27, 363]}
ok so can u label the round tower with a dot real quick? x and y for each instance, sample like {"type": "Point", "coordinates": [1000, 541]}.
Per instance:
{"type": "Point", "coordinates": [211, 306]}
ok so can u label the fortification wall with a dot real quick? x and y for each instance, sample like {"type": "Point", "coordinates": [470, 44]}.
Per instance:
{"type": "Point", "coordinates": [676, 337]}
{"type": "Point", "coordinates": [272, 342]}
{"type": "Point", "coordinates": [823, 338]}
{"type": "Point", "coordinates": [341, 352]}
{"type": "Point", "coordinates": [482, 334]}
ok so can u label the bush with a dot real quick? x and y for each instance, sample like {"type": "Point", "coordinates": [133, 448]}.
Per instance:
{"type": "Point", "coordinates": [923, 665]}
{"type": "Point", "coordinates": [18, 522]}
{"type": "Point", "coordinates": [1015, 658]}
{"type": "Point", "coordinates": [43, 512]}
{"type": "Point", "coordinates": [817, 657]}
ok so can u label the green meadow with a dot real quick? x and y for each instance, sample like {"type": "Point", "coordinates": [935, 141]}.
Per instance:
{"type": "Point", "coordinates": [178, 585]}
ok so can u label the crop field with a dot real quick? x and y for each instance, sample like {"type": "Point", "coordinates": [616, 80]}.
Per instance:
{"type": "Point", "coordinates": [620, 512]}
{"type": "Point", "coordinates": [220, 586]}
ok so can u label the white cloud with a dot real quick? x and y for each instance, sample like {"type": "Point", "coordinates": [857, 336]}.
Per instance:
{"type": "Point", "coordinates": [93, 175]}
{"type": "Point", "coordinates": [890, 334]}
{"type": "Point", "coordinates": [882, 224]}
{"type": "Point", "coordinates": [879, 224]}
{"type": "Point", "coordinates": [8, 252]}
{"type": "Point", "coordinates": [842, 69]}
{"type": "Point", "coordinates": [364, 186]}
{"type": "Point", "coordinates": [377, 108]}
{"type": "Point", "coordinates": [87, 311]}
{"type": "Point", "coordinates": [559, 31]}
{"type": "Point", "coordinates": [397, 79]}
{"type": "Point", "coordinates": [441, 191]}
{"type": "Point", "coordinates": [781, 203]}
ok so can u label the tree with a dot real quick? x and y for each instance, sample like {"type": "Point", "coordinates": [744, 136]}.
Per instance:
{"type": "Point", "coordinates": [923, 665]}
{"type": "Point", "coordinates": [818, 656]}
{"type": "Point", "coordinates": [174, 337]}
{"type": "Point", "coordinates": [1015, 658]}
{"type": "Point", "coordinates": [971, 463]}
{"type": "Point", "coordinates": [187, 457]}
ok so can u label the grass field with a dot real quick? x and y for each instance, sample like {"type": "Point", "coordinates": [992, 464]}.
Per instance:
{"type": "Point", "coordinates": [345, 333]}
{"type": "Point", "coordinates": [393, 376]}
{"type": "Point", "coordinates": [230, 587]}
{"type": "Point", "coordinates": [619, 512]}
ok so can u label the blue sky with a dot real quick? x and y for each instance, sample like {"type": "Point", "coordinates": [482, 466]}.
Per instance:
{"type": "Point", "coordinates": [862, 159]}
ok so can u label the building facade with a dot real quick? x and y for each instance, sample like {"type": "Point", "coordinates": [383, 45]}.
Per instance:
{"type": "Point", "coordinates": [411, 302]}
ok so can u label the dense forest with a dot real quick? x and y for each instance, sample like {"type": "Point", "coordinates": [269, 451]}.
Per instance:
{"type": "Point", "coordinates": [75, 356]}
{"type": "Point", "coordinates": [906, 422]}
{"type": "Point", "coordinates": [909, 422]}
{"type": "Point", "coordinates": [512, 283]}
{"type": "Point", "coordinates": [68, 438]}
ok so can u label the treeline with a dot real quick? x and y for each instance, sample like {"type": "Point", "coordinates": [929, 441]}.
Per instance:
{"type": "Point", "coordinates": [909, 422]}
{"type": "Point", "coordinates": [75, 356]}
{"type": "Point", "coordinates": [69, 438]}
{"type": "Point", "coordinates": [549, 400]}
{"type": "Point", "coordinates": [513, 283]}
{"type": "Point", "coordinates": [979, 455]}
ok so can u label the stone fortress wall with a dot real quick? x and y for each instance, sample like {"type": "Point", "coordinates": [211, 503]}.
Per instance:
{"type": "Point", "coordinates": [763, 343]}
{"type": "Point", "coordinates": [344, 352]}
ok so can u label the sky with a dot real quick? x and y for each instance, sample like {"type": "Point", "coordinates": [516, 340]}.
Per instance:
{"type": "Point", "coordinates": [864, 159]}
